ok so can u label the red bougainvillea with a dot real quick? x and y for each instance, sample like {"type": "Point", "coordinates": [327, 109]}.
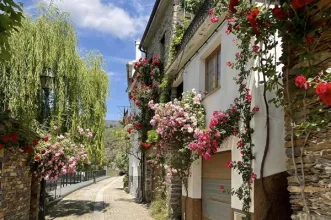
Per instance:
{"type": "Point", "coordinates": [145, 145]}
{"type": "Point", "coordinates": [310, 40]}
{"type": "Point", "coordinates": [14, 137]}
{"type": "Point", "coordinates": [252, 19]}
{"type": "Point", "coordinates": [279, 13]}
{"type": "Point", "coordinates": [232, 5]}
{"type": "Point", "coordinates": [5, 138]}
{"type": "Point", "coordinates": [28, 149]}
{"type": "Point", "coordinates": [221, 127]}
{"type": "Point", "coordinates": [296, 4]}
{"type": "Point", "coordinates": [301, 82]}
{"type": "Point", "coordinates": [323, 90]}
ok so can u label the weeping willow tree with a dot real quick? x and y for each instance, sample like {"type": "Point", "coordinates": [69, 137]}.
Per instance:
{"type": "Point", "coordinates": [48, 46]}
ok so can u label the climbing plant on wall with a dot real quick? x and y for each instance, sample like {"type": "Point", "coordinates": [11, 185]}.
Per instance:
{"type": "Point", "coordinates": [192, 6]}
{"type": "Point", "coordinates": [177, 39]}
{"type": "Point", "coordinates": [257, 27]}
{"type": "Point", "coordinates": [176, 123]}
{"type": "Point", "coordinates": [146, 79]}
{"type": "Point", "coordinates": [48, 45]}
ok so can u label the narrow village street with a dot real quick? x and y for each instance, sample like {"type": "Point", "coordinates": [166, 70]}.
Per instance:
{"type": "Point", "coordinates": [104, 200]}
{"type": "Point", "coordinates": [202, 109]}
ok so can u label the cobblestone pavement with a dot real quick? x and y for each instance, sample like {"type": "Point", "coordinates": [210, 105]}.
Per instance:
{"type": "Point", "coordinates": [104, 200]}
{"type": "Point", "coordinates": [122, 206]}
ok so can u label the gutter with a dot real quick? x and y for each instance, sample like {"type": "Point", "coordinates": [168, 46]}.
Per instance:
{"type": "Point", "coordinates": [151, 18]}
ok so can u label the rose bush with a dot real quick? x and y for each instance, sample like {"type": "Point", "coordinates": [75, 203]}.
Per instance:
{"type": "Point", "coordinates": [175, 124]}
{"type": "Point", "coordinates": [256, 27]}
{"type": "Point", "coordinates": [58, 154]}
{"type": "Point", "coordinates": [222, 126]}
{"type": "Point", "coordinates": [146, 79]}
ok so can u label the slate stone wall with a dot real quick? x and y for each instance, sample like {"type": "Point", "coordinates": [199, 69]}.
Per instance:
{"type": "Point", "coordinates": [316, 152]}
{"type": "Point", "coordinates": [174, 198]}
{"type": "Point", "coordinates": [15, 186]}
{"type": "Point", "coordinates": [171, 16]}
{"type": "Point", "coordinates": [160, 45]}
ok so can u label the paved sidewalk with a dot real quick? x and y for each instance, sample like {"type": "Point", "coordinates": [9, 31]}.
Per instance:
{"type": "Point", "coordinates": [104, 200]}
{"type": "Point", "coordinates": [64, 191]}
{"type": "Point", "coordinates": [122, 205]}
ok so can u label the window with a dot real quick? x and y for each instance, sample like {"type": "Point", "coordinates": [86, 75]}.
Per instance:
{"type": "Point", "coordinates": [162, 47]}
{"type": "Point", "coordinates": [180, 90]}
{"type": "Point", "coordinates": [213, 70]}
{"type": "Point", "coordinates": [1, 157]}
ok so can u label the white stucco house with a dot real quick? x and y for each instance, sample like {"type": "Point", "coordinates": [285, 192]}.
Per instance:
{"type": "Point", "coordinates": [135, 154]}
{"type": "Point", "coordinates": [200, 64]}
{"type": "Point", "coordinates": [205, 49]}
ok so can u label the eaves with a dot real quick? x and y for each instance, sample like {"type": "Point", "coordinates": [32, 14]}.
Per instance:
{"type": "Point", "coordinates": [155, 17]}
{"type": "Point", "coordinates": [198, 40]}
{"type": "Point", "coordinates": [130, 85]}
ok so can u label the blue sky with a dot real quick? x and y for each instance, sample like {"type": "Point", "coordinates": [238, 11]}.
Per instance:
{"type": "Point", "coordinates": [110, 26]}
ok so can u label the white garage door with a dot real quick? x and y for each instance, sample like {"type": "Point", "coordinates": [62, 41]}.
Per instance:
{"type": "Point", "coordinates": [216, 205]}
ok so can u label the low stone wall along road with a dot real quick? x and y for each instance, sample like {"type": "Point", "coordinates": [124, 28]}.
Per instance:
{"type": "Point", "coordinates": [104, 200]}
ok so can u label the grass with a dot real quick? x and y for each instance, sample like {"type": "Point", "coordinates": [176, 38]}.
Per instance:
{"type": "Point", "coordinates": [112, 173]}
{"type": "Point", "coordinates": [158, 209]}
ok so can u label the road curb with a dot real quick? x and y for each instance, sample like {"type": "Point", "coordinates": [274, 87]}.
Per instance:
{"type": "Point", "coordinates": [88, 183]}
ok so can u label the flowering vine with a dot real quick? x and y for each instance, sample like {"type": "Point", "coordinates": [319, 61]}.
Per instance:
{"type": "Point", "coordinates": [221, 127]}
{"type": "Point", "coordinates": [14, 135]}
{"type": "Point", "coordinates": [50, 156]}
{"type": "Point", "coordinates": [175, 125]}
{"type": "Point", "coordinates": [146, 79]}
{"type": "Point", "coordinates": [257, 28]}
{"type": "Point", "coordinates": [58, 154]}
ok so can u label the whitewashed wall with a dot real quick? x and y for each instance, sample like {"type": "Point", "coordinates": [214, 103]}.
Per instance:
{"type": "Point", "coordinates": [194, 77]}
{"type": "Point", "coordinates": [134, 163]}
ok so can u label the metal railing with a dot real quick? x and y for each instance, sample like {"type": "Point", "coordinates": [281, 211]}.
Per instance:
{"type": "Point", "coordinates": [70, 179]}
{"type": "Point", "coordinates": [198, 19]}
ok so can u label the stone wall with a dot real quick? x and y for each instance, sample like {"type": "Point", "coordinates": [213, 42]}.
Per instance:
{"type": "Point", "coordinates": [174, 198]}
{"type": "Point", "coordinates": [148, 182]}
{"type": "Point", "coordinates": [35, 195]}
{"type": "Point", "coordinates": [272, 201]}
{"type": "Point", "coordinates": [172, 15]}
{"type": "Point", "coordinates": [15, 186]}
{"type": "Point", "coordinates": [160, 45]}
{"type": "Point", "coordinates": [316, 151]}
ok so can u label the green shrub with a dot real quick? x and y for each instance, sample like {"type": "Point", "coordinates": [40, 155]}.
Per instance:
{"type": "Point", "coordinates": [158, 209]}
{"type": "Point", "coordinates": [126, 181]}
{"type": "Point", "coordinates": [192, 6]}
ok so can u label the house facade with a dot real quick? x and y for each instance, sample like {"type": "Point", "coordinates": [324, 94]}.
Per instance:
{"type": "Point", "coordinates": [135, 153]}
{"type": "Point", "coordinates": [201, 62]}
{"type": "Point", "coordinates": [157, 40]}
{"type": "Point", "coordinates": [206, 48]}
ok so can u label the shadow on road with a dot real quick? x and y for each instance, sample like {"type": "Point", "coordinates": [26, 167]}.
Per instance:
{"type": "Point", "coordinates": [74, 208]}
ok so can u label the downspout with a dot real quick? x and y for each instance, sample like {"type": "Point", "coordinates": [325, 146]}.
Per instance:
{"type": "Point", "coordinates": [143, 158]}
{"type": "Point", "coordinates": [144, 51]}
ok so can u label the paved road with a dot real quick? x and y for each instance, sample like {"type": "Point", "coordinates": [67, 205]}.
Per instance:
{"type": "Point", "coordinates": [104, 200]}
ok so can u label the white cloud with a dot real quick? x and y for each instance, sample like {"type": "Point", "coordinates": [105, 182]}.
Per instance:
{"type": "Point", "coordinates": [117, 77]}
{"type": "Point", "coordinates": [116, 59]}
{"type": "Point", "coordinates": [106, 18]}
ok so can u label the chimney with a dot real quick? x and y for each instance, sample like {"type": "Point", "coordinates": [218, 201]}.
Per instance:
{"type": "Point", "coordinates": [138, 52]}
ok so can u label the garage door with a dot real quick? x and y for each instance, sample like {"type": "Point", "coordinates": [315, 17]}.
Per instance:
{"type": "Point", "coordinates": [216, 205]}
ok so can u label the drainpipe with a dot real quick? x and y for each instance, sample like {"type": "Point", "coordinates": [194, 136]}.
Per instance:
{"type": "Point", "coordinates": [144, 51]}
